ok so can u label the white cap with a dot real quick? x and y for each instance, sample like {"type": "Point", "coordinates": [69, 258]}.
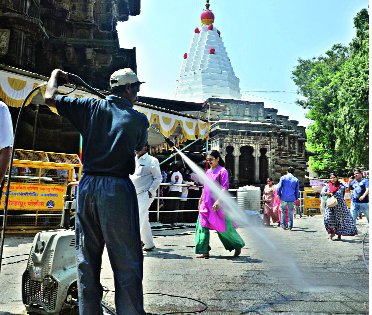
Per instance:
{"type": "Point", "coordinates": [123, 77]}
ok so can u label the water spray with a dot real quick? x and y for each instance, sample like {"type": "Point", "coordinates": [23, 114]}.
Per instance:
{"type": "Point", "coordinates": [77, 81]}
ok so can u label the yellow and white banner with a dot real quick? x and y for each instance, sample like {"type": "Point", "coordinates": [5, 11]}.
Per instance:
{"type": "Point", "coordinates": [24, 196]}
{"type": "Point", "coordinates": [15, 87]}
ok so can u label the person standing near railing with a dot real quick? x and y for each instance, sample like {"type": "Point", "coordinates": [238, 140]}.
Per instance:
{"type": "Point", "coordinates": [146, 179]}
{"type": "Point", "coordinates": [268, 199]}
{"type": "Point", "coordinates": [184, 194]}
{"type": "Point", "coordinates": [174, 191]}
{"type": "Point", "coordinates": [288, 191]}
{"type": "Point", "coordinates": [360, 192]}
{"type": "Point", "coordinates": [194, 192]}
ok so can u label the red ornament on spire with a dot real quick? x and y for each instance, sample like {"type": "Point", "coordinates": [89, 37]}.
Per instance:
{"type": "Point", "coordinates": [185, 56]}
{"type": "Point", "coordinates": [207, 17]}
{"type": "Point", "coordinates": [211, 51]}
{"type": "Point", "coordinates": [219, 33]}
{"type": "Point", "coordinates": [210, 27]}
{"type": "Point", "coordinates": [197, 31]}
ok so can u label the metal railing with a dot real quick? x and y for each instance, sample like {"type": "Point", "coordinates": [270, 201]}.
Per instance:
{"type": "Point", "coordinates": [233, 192]}
{"type": "Point", "coordinates": [158, 198]}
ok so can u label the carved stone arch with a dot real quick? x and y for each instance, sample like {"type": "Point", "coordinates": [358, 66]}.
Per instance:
{"type": "Point", "coordinates": [237, 150]}
{"type": "Point", "coordinates": [230, 161]}
{"type": "Point", "coordinates": [263, 166]}
{"type": "Point", "coordinates": [247, 166]}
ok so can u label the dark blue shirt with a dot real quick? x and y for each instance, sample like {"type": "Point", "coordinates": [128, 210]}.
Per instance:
{"type": "Point", "coordinates": [288, 188]}
{"type": "Point", "coordinates": [358, 189]}
{"type": "Point", "coordinates": [111, 131]}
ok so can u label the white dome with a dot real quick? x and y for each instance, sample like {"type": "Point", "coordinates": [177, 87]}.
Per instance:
{"type": "Point", "coordinates": [205, 75]}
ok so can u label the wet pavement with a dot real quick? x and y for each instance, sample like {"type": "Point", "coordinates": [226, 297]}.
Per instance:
{"type": "Point", "coordinates": [278, 272]}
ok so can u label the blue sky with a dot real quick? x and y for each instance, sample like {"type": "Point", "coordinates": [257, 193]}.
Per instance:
{"type": "Point", "coordinates": [263, 39]}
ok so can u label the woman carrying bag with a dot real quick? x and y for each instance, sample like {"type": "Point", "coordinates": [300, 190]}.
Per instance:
{"type": "Point", "coordinates": [337, 217]}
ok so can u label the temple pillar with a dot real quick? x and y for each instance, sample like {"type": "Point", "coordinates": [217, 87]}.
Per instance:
{"type": "Point", "coordinates": [223, 153]}
{"type": "Point", "coordinates": [256, 155]}
{"type": "Point", "coordinates": [236, 163]}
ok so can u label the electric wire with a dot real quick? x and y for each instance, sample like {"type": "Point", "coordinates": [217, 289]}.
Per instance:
{"type": "Point", "coordinates": [269, 99]}
{"type": "Point", "coordinates": [269, 91]}
{"type": "Point", "coordinates": [5, 211]}
{"type": "Point", "coordinates": [182, 297]}
{"type": "Point", "coordinates": [113, 312]}
{"type": "Point", "coordinates": [109, 309]}
{"type": "Point", "coordinates": [15, 262]}
{"type": "Point", "coordinates": [15, 256]}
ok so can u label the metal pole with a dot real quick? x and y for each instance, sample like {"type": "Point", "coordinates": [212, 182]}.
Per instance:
{"type": "Point", "coordinates": [10, 172]}
{"type": "Point", "coordinates": [172, 155]}
{"type": "Point", "coordinates": [81, 148]}
{"type": "Point", "coordinates": [206, 142]}
{"type": "Point", "coordinates": [35, 127]}
{"type": "Point", "coordinates": [158, 204]}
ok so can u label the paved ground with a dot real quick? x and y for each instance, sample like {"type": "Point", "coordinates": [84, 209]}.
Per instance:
{"type": "Point", "coordinates": [295, 272]}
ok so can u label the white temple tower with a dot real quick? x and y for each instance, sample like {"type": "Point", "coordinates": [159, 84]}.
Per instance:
{"type": "Point", "coordinates": [206, 70]}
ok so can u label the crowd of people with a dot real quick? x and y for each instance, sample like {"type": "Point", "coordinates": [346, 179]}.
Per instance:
{"type": "Point", "coordinates": [280, 201]}
{"type": "Point", "coordinates": [113, 205]}
{"type": "Point", "coordinates": [177, 198]}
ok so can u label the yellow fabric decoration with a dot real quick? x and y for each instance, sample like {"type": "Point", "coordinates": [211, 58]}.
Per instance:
{"type": "Point", "coordinates": [207, 21]}
{"type": "Point", "coordinates": [16, 84]}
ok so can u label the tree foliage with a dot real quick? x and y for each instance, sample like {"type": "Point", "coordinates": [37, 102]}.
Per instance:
{"type": "Point", "coordinates": [336, 88]}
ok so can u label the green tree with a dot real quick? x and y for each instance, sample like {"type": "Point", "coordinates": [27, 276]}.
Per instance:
{"type": "Point", "coordinates": [336, 90]}
{"type": "Point", "coordinates": [353, 94]}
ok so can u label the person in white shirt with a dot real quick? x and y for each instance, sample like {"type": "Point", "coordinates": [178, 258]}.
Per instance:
{"type": "Point", "coordinates": [194, 192]}
{"type": "Point", "coordinates": [174, 191]}
{"type": "Point", "coordinates": [6, 139]}
{"type": "Point", "coordinates": [146, 179]}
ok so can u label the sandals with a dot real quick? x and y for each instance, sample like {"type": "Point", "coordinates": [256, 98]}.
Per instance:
{"type": "Point", "coordinates": [150, 249]}
{"type": "Point", "coordinates": [206, 256]}
{"type": "Point", "coordinates": [237, 252]}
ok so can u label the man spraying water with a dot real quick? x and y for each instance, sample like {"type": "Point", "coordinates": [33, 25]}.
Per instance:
{"type": "Point", "coordinates": [107, 203]}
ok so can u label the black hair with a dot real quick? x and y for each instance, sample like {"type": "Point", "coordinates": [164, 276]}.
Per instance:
{"type": "Point", "coordinates": [357, 170]}
{"type": "Point", "coordinates": [335, 175]}
{"type": "Point", "coordinates": [270, 179]}
{"type": "Point", "coordinates": [175, 167]}
{"type": "Point", "coordinates": [290, 170]}
{"type": "Point", "coordinates": [164, 167]}
{"type": "Point", "coordinates": [120, 89]}
{"type": "Point", "coordinates": [216, 155]}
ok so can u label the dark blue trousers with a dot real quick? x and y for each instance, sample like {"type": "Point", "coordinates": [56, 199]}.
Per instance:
{"type": "Point", "coordinates": [108, 214]}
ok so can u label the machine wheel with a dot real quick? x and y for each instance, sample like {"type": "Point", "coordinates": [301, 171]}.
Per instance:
{"type": "Point", "coordinates": [69, 307]}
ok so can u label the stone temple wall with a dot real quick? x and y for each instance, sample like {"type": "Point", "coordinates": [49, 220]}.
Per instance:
{"type": "Point", "coordinates": [257, 143]}
{"type": "Point", "coordinates": [78, 36]}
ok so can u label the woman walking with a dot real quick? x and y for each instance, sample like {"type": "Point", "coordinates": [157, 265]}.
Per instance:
{"type": "Point", "coordinates": [212, 216]}
{"type": "Point", "coordinates": [337, 219]}
{"type": "Point", "coordinates": [268, 199]}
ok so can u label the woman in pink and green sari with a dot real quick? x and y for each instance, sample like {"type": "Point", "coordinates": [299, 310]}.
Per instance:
{"type": "Point", "coordinates": [212, 216]}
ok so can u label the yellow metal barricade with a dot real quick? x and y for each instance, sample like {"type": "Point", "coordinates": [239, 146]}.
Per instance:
{"type": "Point", "coordinates": [38, 183]}
{"type": "Point", "coordinates": [311, 201]}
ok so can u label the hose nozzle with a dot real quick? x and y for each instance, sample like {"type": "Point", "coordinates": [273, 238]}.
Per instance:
{"type": "Point", "coordinates": [170, 142]}
{"type": "Point", "coordinates": [74, 79]}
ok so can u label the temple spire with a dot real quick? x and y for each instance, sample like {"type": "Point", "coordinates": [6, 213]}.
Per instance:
{"type": "Point", "coordinates": [206, 70]}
